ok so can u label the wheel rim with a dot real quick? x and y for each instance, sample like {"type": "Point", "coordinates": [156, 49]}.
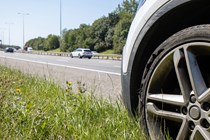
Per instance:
{"type": "Point", "coordinates": [178, 94]}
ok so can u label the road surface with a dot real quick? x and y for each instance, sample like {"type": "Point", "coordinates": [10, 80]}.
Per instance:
{"type": "Point", "coordinates": [102, 77]}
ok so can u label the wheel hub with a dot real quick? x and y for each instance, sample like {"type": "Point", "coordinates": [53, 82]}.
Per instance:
{"type": "Point", "coordinates": [195, 112]}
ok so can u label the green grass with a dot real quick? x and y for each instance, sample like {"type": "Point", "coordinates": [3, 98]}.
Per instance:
{"type": "Point", "coordinates": [55, 50]}
{"type": "Point", "coordinates": [32, 108]}
{"type": "Point", "coordinates": [108, 52]}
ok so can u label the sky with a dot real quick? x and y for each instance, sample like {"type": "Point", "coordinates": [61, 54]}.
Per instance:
{"type": "Point", "coordinates": [42, 17]}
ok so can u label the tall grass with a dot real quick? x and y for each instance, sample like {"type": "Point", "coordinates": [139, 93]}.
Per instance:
{"type": "Point", "coordinates": [32, 108]}
{"type": "Point", "coordinates": [55, 50]}
{"type": "Point", "coordinates": [108, 52]}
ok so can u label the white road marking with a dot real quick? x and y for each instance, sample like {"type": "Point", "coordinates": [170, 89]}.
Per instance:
{"type": "Point", "coordinates": [59, 65]}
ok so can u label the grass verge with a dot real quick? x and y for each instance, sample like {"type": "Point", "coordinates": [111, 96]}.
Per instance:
{"type": "Point", "coordinates": [108, 52]}
{"type": "Point", "coordinates": [32, 108]}
{"type": "Point", "coordinates": [55, 50]}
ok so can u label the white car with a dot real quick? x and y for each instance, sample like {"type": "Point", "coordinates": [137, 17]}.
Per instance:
{"type": "Point", "coordinates": [82, 52]}
{"type": "Point", "coordinates": [29, 49]}
{"type": "Point", "coordinates": [166, 69]}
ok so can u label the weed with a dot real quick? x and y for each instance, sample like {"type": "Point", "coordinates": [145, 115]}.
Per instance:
{"type": "Point", "coordinates": [32, 108]}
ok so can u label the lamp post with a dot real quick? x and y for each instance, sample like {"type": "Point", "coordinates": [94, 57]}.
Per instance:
{"type": "Point", "coordinates": [60, 18]}
{"type": "Point", "coordinates": [2, 35]}
{"type": "Point", "coordinates": [60, 39]}
{"type": "Point", "coordinates": [23, 15]}
{"type": "Point", "coordinates": [9, 23]}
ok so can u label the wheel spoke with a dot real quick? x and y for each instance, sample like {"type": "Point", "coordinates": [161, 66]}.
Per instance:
{"type": "Point", "coordinates": [205, 97]}
{"type": "Point", "coordinates": [184, 131]}
{"type": "Point", "coordinates": [151, 108]}
{"type": "Point", "coordinates": [167, 98]}
{"type": "Point", "coordinates": [199, 133]}
{"type": "Point", "coordinates": [184, 83]}
{"type": "Point", "coordinates": [196, 77]}
{"type": "Point", "coordinates": [208, 116]}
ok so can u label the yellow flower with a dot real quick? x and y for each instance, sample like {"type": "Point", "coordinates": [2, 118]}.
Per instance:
{"type": "Point", "coordinates": [18, 90]}
{"type": "Point", "coordinates": [68, 83]}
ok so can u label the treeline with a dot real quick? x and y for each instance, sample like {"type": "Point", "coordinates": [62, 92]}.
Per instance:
{"type": "Point", "coordinates": [107, 32]}
{"type": "Point", "coordinates": [46, 44]}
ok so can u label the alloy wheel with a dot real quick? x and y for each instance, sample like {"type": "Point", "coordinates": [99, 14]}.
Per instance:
{"type": "Point", "coordinates": [178, 94]}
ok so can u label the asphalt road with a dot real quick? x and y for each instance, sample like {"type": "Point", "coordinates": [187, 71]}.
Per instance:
{"type": "Point", "coordinates": [97, 65]}
{"type": "Point", "coordinates": [101, 77]}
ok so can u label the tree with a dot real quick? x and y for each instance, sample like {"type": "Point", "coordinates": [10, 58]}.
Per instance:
{"type": "Point", "coordinates": [121, 32]}
{"type": "Point", "coordinates": [36, 43]}
{"type": "Point", "coordinates": [128, 6]}
{"type": "Point", "coordinates": [126, 12]}
{"type": "Point", "coordinates": [52, 42]}
{"type": "Point", "coordinates": [105, 33]}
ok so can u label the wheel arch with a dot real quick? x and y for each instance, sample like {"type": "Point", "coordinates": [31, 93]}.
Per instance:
{"type": "Point", "coordinates": [184, 14]}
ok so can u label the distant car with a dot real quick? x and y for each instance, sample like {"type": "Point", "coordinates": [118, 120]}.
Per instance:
{"type": "Point", "coordinates": [29, 49]}
{"type": "Point", "coordinates": [9, 49]}
{"type": "Point", "coordinates": [81, 53]}
{"type": "Point", "coordinates": [14, 49]}
{"type": "Point", "coordinates": [94, 53]}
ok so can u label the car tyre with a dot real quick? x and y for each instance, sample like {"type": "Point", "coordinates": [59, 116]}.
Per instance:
{"type": "Point", "coordinates": [71, 55]}
{"type": "Point", "coordinates": [175, 88]}
{"type": "Point", "coordinates": [79, 56]}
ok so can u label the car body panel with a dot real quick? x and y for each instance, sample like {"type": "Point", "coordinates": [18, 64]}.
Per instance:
{"type": "Point", "coordinates": [144, 19]}
{"type": "Point", "coordinates": [142, 16]}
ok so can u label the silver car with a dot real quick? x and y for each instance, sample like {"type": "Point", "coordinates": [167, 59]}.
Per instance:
{"type": "Point", "coordinates": [166, 69]}
{"type": "Point", "coordinates": [81, 53]}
